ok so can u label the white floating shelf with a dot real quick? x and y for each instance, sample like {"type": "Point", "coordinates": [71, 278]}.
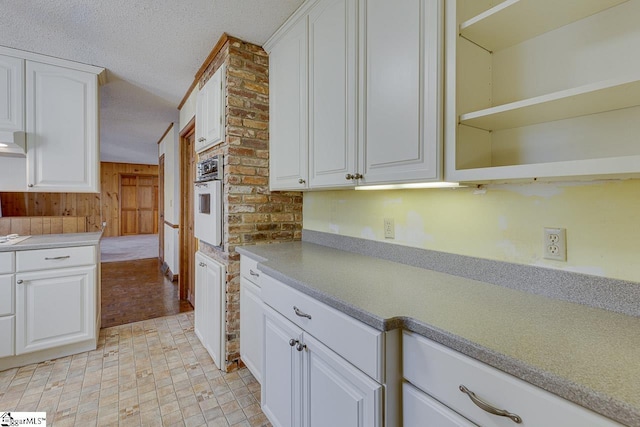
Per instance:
{"type": "Point", "coordinates": [572, 170]}
{"type": "Point", "coordinates": [589, 99]}
{"type": "Point", "coordinates": [514, 21]}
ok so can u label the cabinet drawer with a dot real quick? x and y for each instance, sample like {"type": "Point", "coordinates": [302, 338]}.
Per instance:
{"type": "Point", "coordinates": [6, 336]}
{"type": "Point", "coordinates": [6, 295]}
{"type": "Point", "coordinates": [249, 269]}
{"type": "Point", "coordinates": [6, 262]}
{"type": "Point", "coordinates": [418, 406]}
{"type": "Point", "coordinates": [360, 344]}
{"type": "Point", "coordinates": [45, 259]}
{"type": "Point", "coordinates": [439, 371]}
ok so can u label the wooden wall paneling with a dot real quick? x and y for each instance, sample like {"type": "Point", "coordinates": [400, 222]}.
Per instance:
{"type": "Point", "coordinates": [94, 208]}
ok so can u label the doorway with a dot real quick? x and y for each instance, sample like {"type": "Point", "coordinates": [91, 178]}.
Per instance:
{"type": "Point", "coordinates": [138, 204]}
{"type": "Point", "coordinates": [188, 242]}
{"type": "Point", "coordinates": [161, 209]}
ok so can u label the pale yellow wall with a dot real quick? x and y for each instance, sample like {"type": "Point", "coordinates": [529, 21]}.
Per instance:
{"type": "Point", "coordinates": [504, 223]}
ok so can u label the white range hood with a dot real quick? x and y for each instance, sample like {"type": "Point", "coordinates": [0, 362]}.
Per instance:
{"type": "Point", "coordinates": [12, 144]}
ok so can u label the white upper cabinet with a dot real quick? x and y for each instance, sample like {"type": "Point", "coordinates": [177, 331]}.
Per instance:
{"type": "Point", "coordinates": [49, 123]}
{"type": "Point", "coordinates": [62, 129]}
{"type": "Point", "coordinates": [374, 108]}
{"type": "Point", "coordinates": [288, 109]}
{"type": "Point", "coordinates": [210, 110]}
{"type": "Point", "coordinates": [401, 88]}
{"type": "Point", "coordinates": [542, 89]}
{"type": "Point", "coordinates": [12, 105]}
{"type": "Point", "coordinates": [333, 62]}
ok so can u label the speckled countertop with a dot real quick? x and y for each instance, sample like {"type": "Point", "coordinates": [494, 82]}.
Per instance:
{"type": "Point", "coordinates": [47, 241]}
{"type": "Point", "coordinates": [587, 355]}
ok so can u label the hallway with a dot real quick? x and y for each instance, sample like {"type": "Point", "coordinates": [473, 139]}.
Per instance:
{"type": "Point", "coordinates": [137, 290]}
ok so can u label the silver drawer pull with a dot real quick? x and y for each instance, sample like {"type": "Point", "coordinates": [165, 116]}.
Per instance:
{"type": "Point", "coordinates": [489, 408]}
{"type": "Point", "coordinates": [301, 313]}
{"type": "Point", "coordinates": [57, 257]}
{"type": "Point", "coordinates": [253, 273]}
{"type": "Point", "coordinates": [20, 282]}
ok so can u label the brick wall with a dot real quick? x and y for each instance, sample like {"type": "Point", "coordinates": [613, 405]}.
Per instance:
{"type": "Point", "coordinates": [252, 213]}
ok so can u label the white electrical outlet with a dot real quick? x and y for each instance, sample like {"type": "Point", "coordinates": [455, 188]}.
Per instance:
{"type": "Point", "coordinates": [555, 244]}
{"type": "Point", "coordinates": [389, 228]}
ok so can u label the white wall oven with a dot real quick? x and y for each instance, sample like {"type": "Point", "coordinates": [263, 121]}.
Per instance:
{"type": "Point", "coordinates": [208, 201]}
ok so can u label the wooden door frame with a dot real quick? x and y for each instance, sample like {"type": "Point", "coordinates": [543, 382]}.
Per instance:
{"type": "Point", "coordinates": [186, 259]}
{"type": "Point", "coordinates": [137, 174]}
{"type": "Point", "coordinates": [161, 208]}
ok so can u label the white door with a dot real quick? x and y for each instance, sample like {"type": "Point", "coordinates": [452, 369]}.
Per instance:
{"type": "Point", "coordinates": [11, 94]}
{"type": "Point", "coordinates": [419, 409]}
{"type": "Point", "coordinates": [54, 308]}
{"type": "Point", "coordinates": [251, 328]}
{"type": "Point", "coordinates": [401, 121]}
{"type": "Point", "coordinates": [62, 129]}
{"type": "Point", "coordinates": [288, 110]}
{"type": "Point", "coordinates": [281, 373]}
{"type": "Point", "coordinates": [333, 62]}
{"type": "Point", "coordinates": [335, 392]}
{"type": "Point", "coordinates": [210, 307]}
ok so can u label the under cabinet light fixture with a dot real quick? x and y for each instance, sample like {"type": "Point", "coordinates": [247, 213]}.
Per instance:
{"type": "Point", "coordinates": [411, 185]}
{"type": "Point", "coordinates": [3, 145]}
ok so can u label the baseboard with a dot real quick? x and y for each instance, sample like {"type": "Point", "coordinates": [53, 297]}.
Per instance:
{"type": "Point", "coordinates": [167, 272]}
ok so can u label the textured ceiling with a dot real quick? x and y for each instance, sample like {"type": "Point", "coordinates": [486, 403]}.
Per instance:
{"type": "Point", "coordinates": [151, 49]}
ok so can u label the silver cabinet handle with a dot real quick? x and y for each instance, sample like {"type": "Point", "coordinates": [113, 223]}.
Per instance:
{"type": "Point", "coordinates": [201, 139]}
{"type": "Point", "coordinates": [20, 282]}
{"type": "Point", "coordinates": [301, 181]}
{"type": "Point", "coordinates": [489, 408]}
{"type": "Point", "coordinates": [358, 176]}
{"type": "Point", "coordinates": [293, 342]}
{"type": "Point", "coordinates": [300, 346]}
{"type": "Point", "coordinates": [30, 185]}
{"type": "Point", "coordinates": [301, 313]}
{"type": "Point", "coordinates": [57, 257]}
{"type": "Point", "coordinates": [202, 264]}
{"type": "Point", "coordinates": [349, 176]}
{"type": "Point", "coordinates": [253, 273]}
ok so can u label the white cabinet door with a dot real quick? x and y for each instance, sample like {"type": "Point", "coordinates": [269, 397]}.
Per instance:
{"type": "Point", "coordinates": [6, 336]}
{"type": "Point", "coordinates": [11, 94]}
{"type": "Point", "coordinates": [288, 108]}
{"type": "Point", "coordinates": [419, 409]}
{"type": "Point", "coordinates": [201, 118]}
{"type": "Point", "coordinates": [210, 307]}
{"type": "Point", "coordinates": [401, 106]}
{"type": "Point", "coordinates": [54, 308]}
{"type": "Point", "coordinates": [332, 93]}
{"type": "Point", "coordinates": [251, 328]}
{"type": "Point", "coordinates": [210, 112]}
{"type": "Point", "coordinates": [62, 129]}
{"type": "Point", "coordinates": [335, 392]}
{"type": "Point", "coordinates": [281, 373]}
{"type": "Point", "coordinates": [7, 295]}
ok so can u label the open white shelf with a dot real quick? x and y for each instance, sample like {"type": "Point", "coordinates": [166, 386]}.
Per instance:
{"type": "Point", "coordinates": [572, 170]}
{"type": "Point", "coordinates": [514, 21]}
{"type": "Point", "coordinates": [588, 99]}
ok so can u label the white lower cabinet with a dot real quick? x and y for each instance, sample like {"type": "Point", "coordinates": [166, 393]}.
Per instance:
{"type": "Point", "coordinates": [420, 409]}
{"type": "Point", "coordinates": [251, 329]}
{"type": "Point", "coordinates": [6, 336]}
{"type": "Point", "coordinates": [55, 308]}
{"type": "Point", "coordinates": [485, 395]}
{"type": "Point", "coordinates": [210, 307]}
{"type": "Point", "coordinates": [306, 384]}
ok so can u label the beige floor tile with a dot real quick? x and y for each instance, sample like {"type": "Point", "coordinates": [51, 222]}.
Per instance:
{"type": "Point", "coordinates": [149, 373]}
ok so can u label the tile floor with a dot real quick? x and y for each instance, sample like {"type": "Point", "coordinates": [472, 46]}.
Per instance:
{"type": "Point", "coordinates": [149, 373]}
